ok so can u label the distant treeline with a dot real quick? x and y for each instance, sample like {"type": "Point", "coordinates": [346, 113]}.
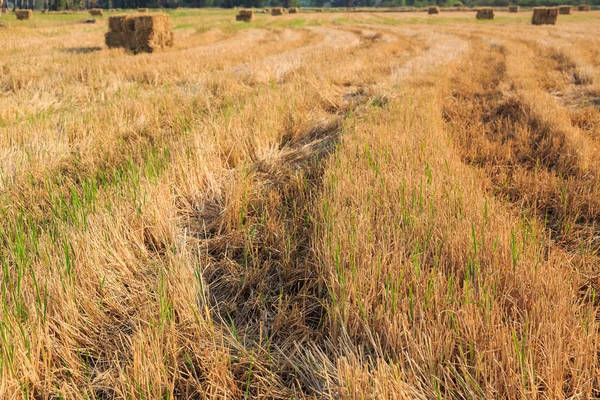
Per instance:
{"type": "Point", "coordinates": [78, 4]}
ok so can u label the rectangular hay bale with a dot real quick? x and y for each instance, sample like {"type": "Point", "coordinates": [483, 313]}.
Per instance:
{"type": "Point", "coordinates": [97, 12]}
{"type": "Point", "coordinates": [565, 10]}
{"type": "Point", "coordinates": [583, 7]}
{"type": "Point", "coordinates": [485, 13]}
{"type": "Point", "coordinates": [140, 32]}
{"type": "Point", "coordinates": [24, 14]}
{"type": "Point", "coordinates": [245, 15]}
{"type": "Point", "coordinates": [514, 9]}
{"type": "Point", "coordinates": [433, 10]}
{"type": "Point", "coordinates": [293, 10]}
{"type": "Point", "coordinates": [276, 11]}
{"type": "Point", "coordinates": [544, 16]}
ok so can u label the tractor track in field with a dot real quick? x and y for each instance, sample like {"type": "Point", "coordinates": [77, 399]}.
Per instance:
{"type": "Point", "coordinates": [279, 65]}
{"type": "Point", "coordinates": [441, 50]}
{"type": "Point", "coordinates": [538, 165]}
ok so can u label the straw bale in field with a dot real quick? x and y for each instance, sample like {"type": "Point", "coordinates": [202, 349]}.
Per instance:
{"type": "Point", "coordinates": [24, 14]}
{"type": "Point", "coordinates": [485, 13]}
{"type": "Point", "coordinates": [293, 10]}
{"type": "Point", "coordinates": [583, 7]}
{"type": "Point", "coordinates": [245, 15]}
{"type": "Point", "coordinates": [142, 10]}
{"type": "Point", "coordinates": [140, 32]}
{"type": "Point", "coordinates": [4, 10]}
{"type": "Point", "coordinates": [514, 9]}
{"type": "Point", "coordinates": [276, 11]}
{"type": "Point", "coordinates": [544, 15]}
{"type": "Point", "coordinates": [433, 10]}
{"type": "Point", "coordinates": [565, 10]}
{"type": "Point", "coordinates": [97, 12]}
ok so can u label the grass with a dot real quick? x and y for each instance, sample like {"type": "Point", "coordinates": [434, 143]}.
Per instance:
{"type": "Point", "coordinates": [317, 206]}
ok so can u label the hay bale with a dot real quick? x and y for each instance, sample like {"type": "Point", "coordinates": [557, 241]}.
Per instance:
{"type": "Point", "coordinates": [96, 12]}
{"type": "Point", "coordinates": [514, 9]}
{"type": "Point", "coordinates": [276, 11]}
{"type": "Point", "coordinates": [485, 13]}
{"type": "Point", "coordinates": [544, 16]}
{"type": "Point", "coordinates": [112, 10]}
{"type": "Point", "coordinates": [24, 14]}
{"type": "Point", "coordinates": [140, 32]}
{"type": "Point", "coordinates": [565, 10]}
{"type": "Point", "coordinates": [293, 10]}
{"type": "Point", "coordinates": [4, 10]}
{"type": "Point", "coordinates": [433, 10]}
{"type": "Point", "coordinates": [143, 10]}
{"type": "Point", "coordinates": [319, 10]}
{"type": "Point", "coordinates": [583, 7]}
{"type": "Point", "coordinates": [245, 15]}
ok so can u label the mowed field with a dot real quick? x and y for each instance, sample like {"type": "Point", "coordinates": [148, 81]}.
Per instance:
{"type": "Point", "coordinates": [323, 205]}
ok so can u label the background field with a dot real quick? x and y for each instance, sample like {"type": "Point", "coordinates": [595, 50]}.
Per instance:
{"type": "Point", "coordinates": [324, 205]}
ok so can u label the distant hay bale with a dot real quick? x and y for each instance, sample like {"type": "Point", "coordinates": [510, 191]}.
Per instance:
{"type": "Point", "coordinates": [514, 9]}
{"type": "Point", "coordinates": [96, 12]}
{"type": "Point", "coordinates": [485, 13]}
{"type": "Point", "coordinates": [4, 10]}
{"type": "Point", "coordinates": [319, 10]}
{"type": "Point", "coordinates": [112, 10]}
{"type": "Point", "coordinates": [544, 16]}
{"type": "Point", "coordinates": [24, 14]}
{"type": "Point", "coordinates": [245, 15]}
{"type": "Point", "coordinates": [293, 10]}
{"type": "Point", "coordinates": [143, 10]}
{"type": "Point", "coordinates": [276, 11]}
{"type": "Point", "coordinates": [565, 10]}
{"type": "Point", "coordinates": [44, 11]}
{"type": "Point", "coordinates": [433, 10]}
{"type": "Point", "coordinates": [140, 32]}
{"type": "Point", "coordinates": [583, 8]}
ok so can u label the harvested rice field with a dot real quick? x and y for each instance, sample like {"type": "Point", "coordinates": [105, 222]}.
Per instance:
{"type": "Point", "coordinates": [360, 205]}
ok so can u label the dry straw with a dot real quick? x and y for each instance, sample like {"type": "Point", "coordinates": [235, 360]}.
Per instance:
{"type": "Point", "coordinates": [140, 33]}
{"type": "Point", "coordinates": [514, 9]}
{"type": "Point", "coordinates": [97, 12]}
{"type": "Point", "coordinates": [293, 10]}
{"type": "Point", "coordinates": [433, 10]}
{"type": "Point", "coordinates": [485, 13]}
{"type": "Point", "coordinates": [565, 10]}
{"type": "Point", "coordinates": [276, 11]}
{"type": "Point", "coordinates": [584, 7]}
{"type": "Point", "coordinates": [24, 14]}
{"type": "Point", "coordinates": [245, 15]}
{"type": "Point", "coordinates": [544, 16]}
